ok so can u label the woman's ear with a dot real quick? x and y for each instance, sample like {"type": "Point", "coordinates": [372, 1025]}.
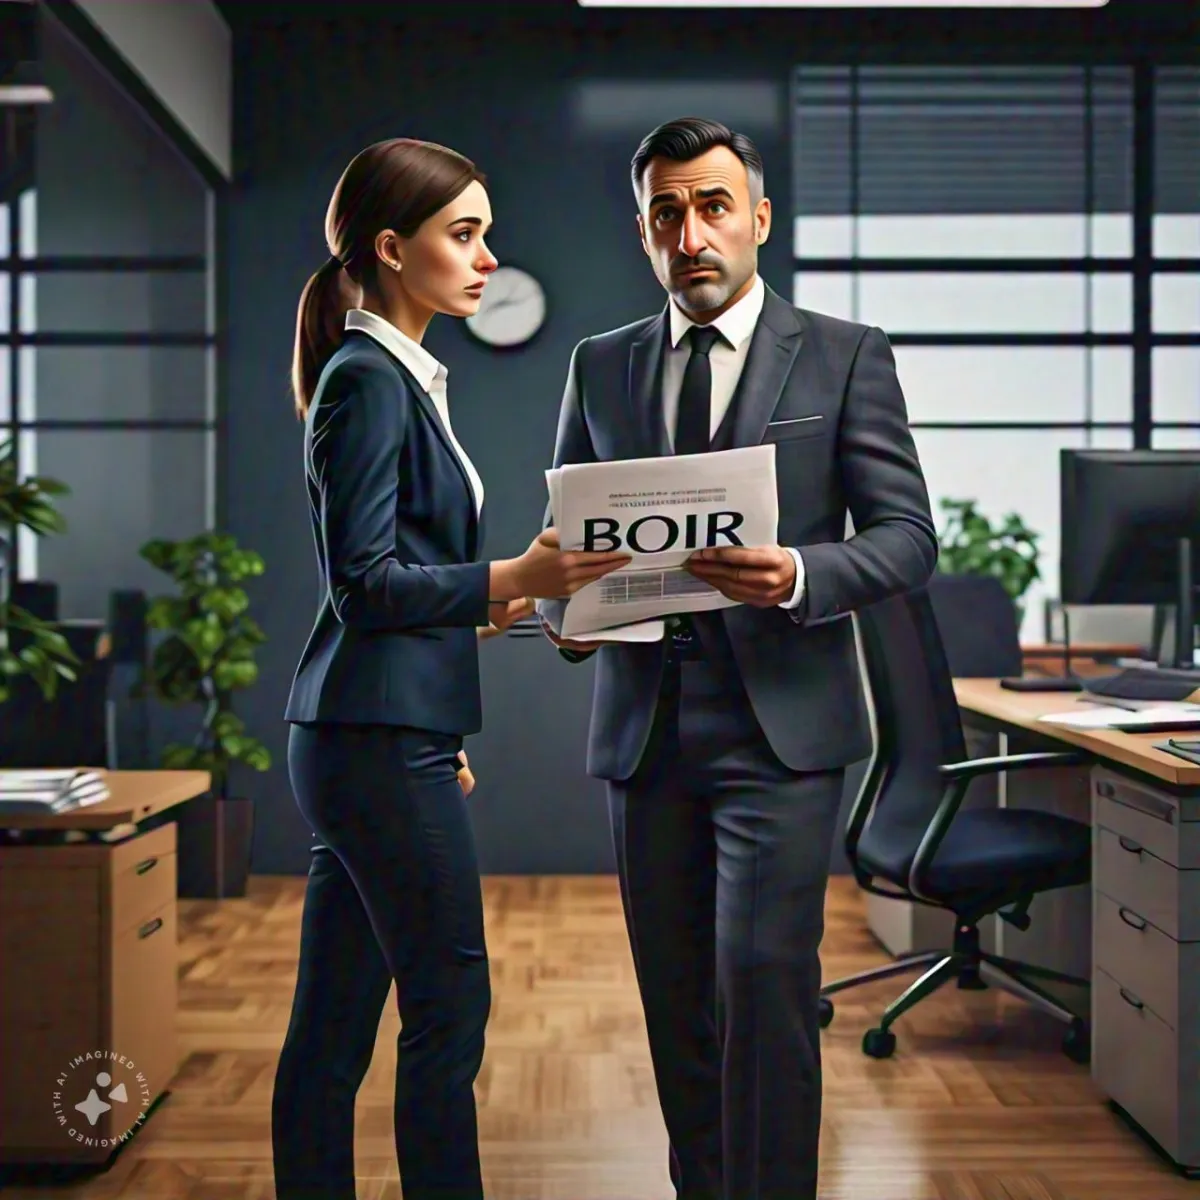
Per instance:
{"type": "Point", "coordinates": [387, 248]}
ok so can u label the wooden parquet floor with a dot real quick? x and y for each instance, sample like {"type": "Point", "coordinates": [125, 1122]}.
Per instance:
{"type": "Point", "coordinates": [977, 1104]}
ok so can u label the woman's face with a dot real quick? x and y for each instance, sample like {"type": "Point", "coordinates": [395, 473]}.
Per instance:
{"type": "Point", "coordinates": [445, 264]}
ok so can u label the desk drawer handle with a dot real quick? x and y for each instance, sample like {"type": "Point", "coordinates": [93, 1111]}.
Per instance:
{"type": "Point", "coordinates": [1106, 790]}
{"type": "Point", "coordinates": [1131, 1000]}
{"type": "Point", "coordinates": [1131, 919]}
{"type": "Point", "coordinates": [150, 927]}
{"type": "Point", "coordinates": [147, 864]}
{"type": "Point", "coordinates": [1129, 845]}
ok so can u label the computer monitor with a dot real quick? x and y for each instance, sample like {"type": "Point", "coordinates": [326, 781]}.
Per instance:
{"type": "Point", "coordinates": [1131, 532]}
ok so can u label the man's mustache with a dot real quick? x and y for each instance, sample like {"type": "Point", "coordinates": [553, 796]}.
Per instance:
{"type": "Point", "coordinates": [683, 263]}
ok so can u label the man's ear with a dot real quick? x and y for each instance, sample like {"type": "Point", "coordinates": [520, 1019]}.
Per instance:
{"type": "Point", "coordinates": [641, 224]}
{"type": "Point", "coordinates": [762, 221]}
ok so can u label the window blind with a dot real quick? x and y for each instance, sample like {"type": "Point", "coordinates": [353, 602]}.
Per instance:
{"type": "Point", "coordinates": [872, 140]}
{"type": "Point", "coordinates": [1177, 140]}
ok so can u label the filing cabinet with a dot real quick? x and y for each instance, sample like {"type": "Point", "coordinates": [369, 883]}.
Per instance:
{"type": "Point", "coordinates": [1146, 958]}
{"type": "Point", "coordinates": [87, 1011]}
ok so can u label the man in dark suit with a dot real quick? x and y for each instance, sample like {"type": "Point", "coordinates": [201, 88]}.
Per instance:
{"type": "Point", "coordinates": [724, 745]}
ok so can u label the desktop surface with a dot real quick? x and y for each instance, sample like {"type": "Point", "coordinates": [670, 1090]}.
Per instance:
{"type": "Point", "coordinates": [986, 698]}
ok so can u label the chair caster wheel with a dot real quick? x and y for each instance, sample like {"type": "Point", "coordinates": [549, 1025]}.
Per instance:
{"type": "Point", "coordinates": [1077, 1044]}
{"type": "Point", "coordinates": [825, 1012]}
{"type": "Point", "coordinates": [879, 1043]}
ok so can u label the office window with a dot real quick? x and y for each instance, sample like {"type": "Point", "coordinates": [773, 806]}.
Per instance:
{"type": "Point", "coordinates": [946, 305]}
{"type": "Point", "coordinates": [1175, 283]}
{"type": "Point", "coordinates": [985, 218]}
{"type": "Point", "coordinates": [1176, 382]}
{"type": "Point", "coordinates": [112, 323]}
{"type": "Point", "coordinates": [1025, 385]}
{"type": "Point", "coordinates": [1177, 162]}
{"type": "Point", "coordinates": [1175, 301]}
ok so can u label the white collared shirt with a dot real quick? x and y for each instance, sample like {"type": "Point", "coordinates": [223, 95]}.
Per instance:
{"type": "Point", "coordinates": [727, 359]}
{"type": "Point", "coordinates": [428, 372]}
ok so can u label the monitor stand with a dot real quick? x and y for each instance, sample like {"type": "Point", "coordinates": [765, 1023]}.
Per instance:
{"type": "Point", "coordinates": [1185, 610]}
{"type": "Point", "coordinates": [1176, 681]}
{"type": "Point", "coordinates": [1068, 682]}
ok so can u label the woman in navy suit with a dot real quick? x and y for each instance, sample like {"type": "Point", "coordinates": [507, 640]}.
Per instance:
{"type": "Point", "coordinates": [388, 684]}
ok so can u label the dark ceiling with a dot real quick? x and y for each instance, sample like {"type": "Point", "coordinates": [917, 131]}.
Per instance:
{"type": "Point", "coordinates": [1163, 30]}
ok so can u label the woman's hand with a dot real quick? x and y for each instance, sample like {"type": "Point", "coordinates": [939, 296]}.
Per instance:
{"type": "Point", "coordinates": [466, 780]}
{"type": "Point", "coordinates": [503, 615]}
{"type": "Point", "coordinates": [546, 572]}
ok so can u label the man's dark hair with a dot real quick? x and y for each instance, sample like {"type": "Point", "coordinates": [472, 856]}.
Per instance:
{"type": "Point", "coordinates": [690, 137]}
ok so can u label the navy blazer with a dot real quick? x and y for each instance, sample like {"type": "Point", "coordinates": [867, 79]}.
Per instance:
{"type": "Point", "coordinates": [397, 538]}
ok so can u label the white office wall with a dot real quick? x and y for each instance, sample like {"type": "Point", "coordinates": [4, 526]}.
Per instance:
{"type": "Point", "coordinates": [183, 51]}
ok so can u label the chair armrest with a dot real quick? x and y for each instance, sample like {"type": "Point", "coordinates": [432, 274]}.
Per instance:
{"type": "Point", "coordinates": [962, 771]}
{"type": "Point", "coordinates": [957, 777]}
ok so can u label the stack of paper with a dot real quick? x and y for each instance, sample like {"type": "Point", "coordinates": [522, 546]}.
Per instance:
{"type": "Point", "coordinates": [1152, 719]}
{"type": "Point", "coordinates": [28, 793]}
{"type": "Point", "coordinates": [660, 511]}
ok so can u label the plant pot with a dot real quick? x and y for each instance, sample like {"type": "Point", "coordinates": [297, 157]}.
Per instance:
{"type": "Point", "coordinates": [215, 837]}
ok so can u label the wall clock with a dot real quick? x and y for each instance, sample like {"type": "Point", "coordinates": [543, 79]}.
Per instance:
{"type": "Point", "coordinates": [512, 311]}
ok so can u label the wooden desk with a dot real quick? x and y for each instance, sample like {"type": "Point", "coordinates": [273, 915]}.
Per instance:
{"type": "Point", "coordinates": [986, 699]}
{"type": "Point", "coordinates": [1135, 931]}
{"type": "Point", "coordinates": [89, 960]}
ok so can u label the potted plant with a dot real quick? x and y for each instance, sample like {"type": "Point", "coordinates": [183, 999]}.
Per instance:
{"type": "Point", "coordinates": [28, 645]}
{"type": "Point", "coordinates": [972, 545]}
{"type": "Point", "coordinates": [206, 656]}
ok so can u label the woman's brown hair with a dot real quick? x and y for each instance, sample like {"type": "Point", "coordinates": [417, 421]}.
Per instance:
{"type": "Point", "coordinates": [397, 184]}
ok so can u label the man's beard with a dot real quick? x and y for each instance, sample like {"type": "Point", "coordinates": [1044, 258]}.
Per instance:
{"type": "Point", "coordinates": [706, 294]}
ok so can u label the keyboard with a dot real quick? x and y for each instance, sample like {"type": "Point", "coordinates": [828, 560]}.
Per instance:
{"type": "Point", "coordinates": [1167, 684]}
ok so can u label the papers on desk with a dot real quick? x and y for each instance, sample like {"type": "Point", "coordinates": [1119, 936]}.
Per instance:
{"type": "Point", "coordinates": [659, 510]}
{"type": "Point", "coordinates": [1151, 719]}
{"type": "Point", "coordinates": [28, 793]}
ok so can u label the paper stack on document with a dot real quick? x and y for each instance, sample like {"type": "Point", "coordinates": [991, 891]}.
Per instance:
{"type": "Point", "coordinates": [661, 511]}
{"type": "Point", "coordinates": [26, 793]}
{"type": "Point", "coordinates": [1152, 719]}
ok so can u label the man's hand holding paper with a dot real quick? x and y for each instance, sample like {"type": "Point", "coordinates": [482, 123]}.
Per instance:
{"type": "Point", "coordinates": [763, 576]}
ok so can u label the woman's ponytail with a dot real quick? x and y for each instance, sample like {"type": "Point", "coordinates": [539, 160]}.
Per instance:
{"type": "Point", "coordinates": [320, 327]}
{"type": "Point", "coordinates": [393, 185]}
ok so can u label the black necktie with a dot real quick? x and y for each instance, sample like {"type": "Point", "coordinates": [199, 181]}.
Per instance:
{"type": "Point", "coordinates": [695, 396]}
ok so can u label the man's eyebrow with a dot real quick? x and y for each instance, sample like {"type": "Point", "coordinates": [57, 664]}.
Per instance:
{"type": "Point", "coordinates": [704, 193]}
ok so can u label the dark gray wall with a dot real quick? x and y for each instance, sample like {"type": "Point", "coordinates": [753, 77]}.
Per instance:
{"type": "Point", "coordinates": [551, 102]}
{"type": "Point", "coordinates": [564, 210]}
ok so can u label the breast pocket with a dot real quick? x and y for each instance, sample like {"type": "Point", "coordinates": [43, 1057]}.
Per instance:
{"type": "Point", "coordinates": [792, 429]}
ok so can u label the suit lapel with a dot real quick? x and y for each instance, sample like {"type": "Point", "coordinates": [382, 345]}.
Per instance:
{"type": "Point", "coordinates": [427, 405]}
{"type": "Point", "coordinates": [645, 386]}
{"type": "Point", "coordinates": [426, 402]}
{"type": "Point", "coordinates": [773, 349]}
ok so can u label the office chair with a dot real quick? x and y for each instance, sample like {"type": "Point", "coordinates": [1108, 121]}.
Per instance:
{"type": "Point", "coordinates": [906, 839]}
{"type": "Point", "coordinates": [977, 621]}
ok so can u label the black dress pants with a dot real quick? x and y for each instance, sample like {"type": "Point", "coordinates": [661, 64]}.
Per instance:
{"type": "Point", "coordinates": [393, 894]}
{"type": "Point", "coordinates": [723, 855]}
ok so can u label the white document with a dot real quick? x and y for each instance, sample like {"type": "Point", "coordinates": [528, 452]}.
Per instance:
{"type": "Point", "coordinates": [660, 511]}
{"type": "Point", "coordinates": [1158, 717]}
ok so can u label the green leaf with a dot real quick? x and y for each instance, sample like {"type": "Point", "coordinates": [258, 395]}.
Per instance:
{"type": "Point", "coordinates": [208, 654]}
{"type": "Point", "coordinates": [231, 676]}
{"type": "Point", "coordinates": [969, 543]}
{"type": "Point", "coordinates": [226, 725]}
{"type": "Point", "coordinates": [180, 758]}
